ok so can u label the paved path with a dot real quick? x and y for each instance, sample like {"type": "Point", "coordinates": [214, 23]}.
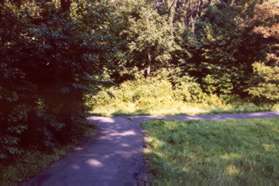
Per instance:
{"type": "Point", "coordinates": [115, 156]}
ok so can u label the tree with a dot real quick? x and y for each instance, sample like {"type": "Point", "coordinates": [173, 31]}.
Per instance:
{"type": "Point", "coordinates": [43, 83]}
{"type": "Point", "coordinates": [150, 41]}
{"type": "Point", "coordinates": [264, 81]}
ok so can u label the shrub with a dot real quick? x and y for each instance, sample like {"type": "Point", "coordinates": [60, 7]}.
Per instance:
{"type": "Point", "coordinates": [142, 92]}
{"type": "Point", "coordinates": [46, 63]}
{"type": "Point", "coordinates": [187, 90]}
{"type": "Point", "coordinates": [151, 95]}
{"type": "Point", "coordinates": [265, 85]}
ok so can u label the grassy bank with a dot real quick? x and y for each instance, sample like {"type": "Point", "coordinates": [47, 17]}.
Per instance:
{"type": "Point", "coordinates": [31, 163]}
{"type": "Point", "coordinates": [231, 152]}
{"type": "Point", "coordinates": [178, 108]}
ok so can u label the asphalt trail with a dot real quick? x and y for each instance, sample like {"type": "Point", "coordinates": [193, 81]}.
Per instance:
{"type": "Point", "coordinates": [114, 156]}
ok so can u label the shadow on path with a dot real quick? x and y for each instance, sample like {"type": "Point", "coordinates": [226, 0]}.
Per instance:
{"type": "Point", "coordinates": [115, 156]}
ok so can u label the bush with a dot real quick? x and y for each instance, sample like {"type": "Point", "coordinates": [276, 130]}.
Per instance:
{"type": "Point", "coordinates": [266, 83]}
{"type": "Point", "coordinates": [227, 40]}
{"type": "Point", "coordinates": [141, 93]}
{"type": "Point", "coordinates": [154, 95]}
{"type": "Point", "coordinates": [46, 63]}
{"type": "Point", "coordinates": [187, 90]}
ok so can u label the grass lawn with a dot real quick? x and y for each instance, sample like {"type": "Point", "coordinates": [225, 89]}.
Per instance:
{"type": "Point", "coordinates": [230, 152]}
{"type": "Point", "coordinates": [33, 162]}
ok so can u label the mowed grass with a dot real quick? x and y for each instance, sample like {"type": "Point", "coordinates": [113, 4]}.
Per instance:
{"type": "Point", "coordinates": [227, 153]}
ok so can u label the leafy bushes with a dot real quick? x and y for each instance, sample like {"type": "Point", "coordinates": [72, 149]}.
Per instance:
{"type": "Point", "coordinates": [216, 43]}
{"type": "Point", "coordinates": [187, 90]}
{"type": "Point", "coordinates": [46, 64]}
{"type": "Point", "coordinates": [227, 40]}
{"type": "Point", "coordinates": [154, 95]}
{"type": "Point", "coordinates": [266, 83]}
{"type": "Point", "coordinates": [134, 95]}
{"type": "Point", "coordinates": [157, 95]}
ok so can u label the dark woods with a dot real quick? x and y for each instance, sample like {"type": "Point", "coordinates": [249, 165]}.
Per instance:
{"type": "Point", "coordinates": [46, 64]}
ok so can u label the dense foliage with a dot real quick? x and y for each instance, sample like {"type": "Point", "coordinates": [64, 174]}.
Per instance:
{"type": "Point", "coordinates": [47, 60]}
{"type": "Point", "coordinates": [218, 43]}
{"type": "Point", "coordinates": [229, 48]}
{"type": "Point", "coordinates": [52, 51]}
{"type": "Point", "coordinates": [161, 96]}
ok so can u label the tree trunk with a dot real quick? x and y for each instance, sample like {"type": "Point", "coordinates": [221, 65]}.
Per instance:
{"type": "Point", "coordinates": [172, 11]}
{"type": "Point", "coordinates": [65, 5]}
{"type": "Point", "coordinates": [148, 67]}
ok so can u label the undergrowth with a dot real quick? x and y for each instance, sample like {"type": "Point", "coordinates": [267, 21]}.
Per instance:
{"type": "Point", "coordinates": [31, 162]}
{"type": "Point", "coordinates": [160, 96]}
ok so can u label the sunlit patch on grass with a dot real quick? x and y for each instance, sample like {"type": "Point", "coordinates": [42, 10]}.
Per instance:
{"type": "Point", "coordinates": [232, 170]}
{"type": "Point", "coordinates": [231, 156]}
{"type": "Point", "coordinates": [269, 147]}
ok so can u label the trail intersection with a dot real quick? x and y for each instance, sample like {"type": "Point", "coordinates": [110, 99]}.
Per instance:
{"type": "Point", "coordinates": [114, 156]}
